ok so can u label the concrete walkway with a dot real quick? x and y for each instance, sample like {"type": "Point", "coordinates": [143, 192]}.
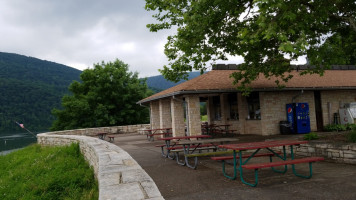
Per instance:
{"type": "Point", "coordinates": [329, 181]}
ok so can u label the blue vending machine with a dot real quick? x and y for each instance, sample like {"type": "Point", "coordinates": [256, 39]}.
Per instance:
{"type": "Point", "coordinates": [298, 116]}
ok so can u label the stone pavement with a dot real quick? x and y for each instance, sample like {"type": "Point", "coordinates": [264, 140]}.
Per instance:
{"type": "Point", "coordinates": [329, 181]}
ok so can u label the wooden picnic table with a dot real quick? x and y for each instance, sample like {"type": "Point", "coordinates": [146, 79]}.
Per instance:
{"type": "Point", "coordinates": [101, 135]}
{"type": "Point", "coordinates": [168, 140]}
{"type": "Point", "coordinates": [257, 146]}
{"type": "Point", "coordinates": [190, 148]}
{"type": "Point", "coordinates": [217, 129]}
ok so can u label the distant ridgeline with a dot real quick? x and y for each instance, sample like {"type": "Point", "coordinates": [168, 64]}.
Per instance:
{"type": "Point", "coordinates": [159, 83]}
{"type": "Point", "coordinates": [30, 88]}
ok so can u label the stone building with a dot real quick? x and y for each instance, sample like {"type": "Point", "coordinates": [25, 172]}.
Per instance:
{"type": "Point", "coordinates": [259, 113]}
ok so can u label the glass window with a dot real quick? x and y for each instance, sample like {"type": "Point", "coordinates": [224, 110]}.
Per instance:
{"type": "Point", "coordinates": [217, 107]}
{"type": "Point", "coordinates": [234, 114]}
{"type": "Point", "coordinates": [253, 102]}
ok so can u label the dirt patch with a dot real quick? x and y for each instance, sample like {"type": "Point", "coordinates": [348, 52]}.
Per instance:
{"type": "Point", "coordinates": [334, 137]}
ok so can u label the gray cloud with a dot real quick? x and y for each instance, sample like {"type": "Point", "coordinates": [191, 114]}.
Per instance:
{"type": "Point", "coordinates": [80, 33]}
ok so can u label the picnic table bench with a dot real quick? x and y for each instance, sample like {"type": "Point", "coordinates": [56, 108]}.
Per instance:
{"type": "Point", "coordinates": [257, 146]}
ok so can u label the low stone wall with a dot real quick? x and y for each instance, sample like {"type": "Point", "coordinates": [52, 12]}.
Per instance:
{"type": "Point", "coordinates": [341, 153]}
{"type": "Point", "coordinates": [118, 174]}
{"type": "Point", "coordinates": [112, 130]}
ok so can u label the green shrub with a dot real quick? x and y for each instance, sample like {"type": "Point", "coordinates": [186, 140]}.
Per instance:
{"type": "Point", "coordinates": [351, 137]}
{"type": "Point", "coordinates": [351, 126]}
{"type": "Point", "coordinates": [311, 136]}
{"type": "Point", "coordinates": [336, 127]}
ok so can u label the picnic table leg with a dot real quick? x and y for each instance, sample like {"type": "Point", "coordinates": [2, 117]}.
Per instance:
{"type": "Point", "coordinates": [148, 135]}
{"type": "Point", "coordinates": [162, 152]}
{"type": "Point", "coordinates": [168, 155]}
{"type": "Point", "coordinates": [235, 168]}
{"type": "Point", "coordinates": [186, 151]}
{"type": "Point", "coordinates": [241, 171]}
{"type": "Point", "coordinates": [293, 166]}
{"type": "Point", "coordinates": [176, 154]}
{"type": "Point", "coordinates": [283, 158]}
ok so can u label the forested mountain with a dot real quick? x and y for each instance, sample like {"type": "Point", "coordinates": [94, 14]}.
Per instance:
{"type": "Point", "coordinates": [158, 83]}
{"type": "Point", "coordinates": [30, 88]}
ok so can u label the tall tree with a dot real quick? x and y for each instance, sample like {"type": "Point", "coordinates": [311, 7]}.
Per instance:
{"type": "Point", "coordinates": [106, 96]}
{"type": "Point", "coordinates": [268, 34]}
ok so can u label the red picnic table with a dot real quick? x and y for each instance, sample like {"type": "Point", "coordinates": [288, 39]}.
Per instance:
{"type": "Point", "coordinates": [168, 140]}
{"type": "Point", "coordinates": [257, 146]}
{"type": "Point", "coordinates": [214, 129]}
{"type": "Point", "coordinates": [163, 131]}
{"type": "Point", "coordinates": [101, 135]}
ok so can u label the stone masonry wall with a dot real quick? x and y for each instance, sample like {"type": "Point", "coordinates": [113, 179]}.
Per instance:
{"type": "Point", "coordinates": [154, 108]}
{"type": "Point", "coordinates": [339, 153]}
{"type": "Point", "coordinates": [118, 174]}
{"type": "Point", "coordinates": [273, 109]}
{"type": "Point", "coordinates": [194, 115]}
{"type": "Point", "coordinates": [111, 130]}
{"type": "Point", "coordinates": [178, 125]}
{"type": "Point", "coordinates": [335, 98]}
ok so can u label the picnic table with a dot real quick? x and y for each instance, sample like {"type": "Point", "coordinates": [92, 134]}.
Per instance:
{"type": "Point", "coordinates": [159, 131]}
{"type": "Point", "coordinates": [190, 148]}
{"type": "Point", "coordinates": [217, 129]}
{"type": "Point", "coordinates": [101, 135]}
{"type": "Point", "coordinates": [168, 140]}
{"type": "Point", "coordinates": [257, 146]}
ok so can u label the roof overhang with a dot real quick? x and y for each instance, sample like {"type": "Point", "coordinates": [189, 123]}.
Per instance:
{"type": "Point", "coordinates": [235, 90]}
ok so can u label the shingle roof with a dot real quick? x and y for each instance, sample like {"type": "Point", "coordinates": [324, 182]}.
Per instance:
{"type": "Point", "coordinates": [219, 80]}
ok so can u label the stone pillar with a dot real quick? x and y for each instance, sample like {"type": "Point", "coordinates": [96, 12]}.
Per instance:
{"type": "Point", "coordinates": [154, 108]}
{"type": "Point", "coordinates": [209, 111]}
{"type": "Point", "coordinates": [224, 108]}
{"type": "Point", "coordinates": [177, 111]}
{"type": "Point", "coordinates": [165, 113]}
{"type": "Point", "coordinates": [194, 120]}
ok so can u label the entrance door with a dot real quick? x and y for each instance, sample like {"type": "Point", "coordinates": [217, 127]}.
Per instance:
{"type": "Point", "coordinates": [318, 111]}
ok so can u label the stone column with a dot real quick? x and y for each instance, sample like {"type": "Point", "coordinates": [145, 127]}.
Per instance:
{"type": "Point", "coordinates": [165, 113]}
{"type": "Point", "coordinates": [177, 111]}
{"type": "Point", "coordinates": [209, 110]}
{"type": "Point", "coordinates": [194, 115]}
{"type": "Point", "coordinates": [154, 108]}
{"type": "Point", "coordinates": [224, 108]}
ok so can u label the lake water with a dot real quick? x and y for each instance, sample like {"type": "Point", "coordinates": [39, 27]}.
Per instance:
{"type": "Point", "coordinates": [9, 142]}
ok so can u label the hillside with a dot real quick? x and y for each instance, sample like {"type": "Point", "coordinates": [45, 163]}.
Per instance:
{"type": "Point", "coordinates": [30, 88]}
{"type": "Point", "coordinates": [158, 83]}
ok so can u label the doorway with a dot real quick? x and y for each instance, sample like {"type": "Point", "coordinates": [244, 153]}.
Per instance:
{"type": "Point", "coordinates": [318, 111]}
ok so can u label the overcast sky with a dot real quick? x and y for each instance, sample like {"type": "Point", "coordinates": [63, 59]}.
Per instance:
{"type": "Point", "coordinates": [79, 33]}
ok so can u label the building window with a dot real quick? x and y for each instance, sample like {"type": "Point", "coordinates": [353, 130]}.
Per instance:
{"type": "Point", "coordinates": [217, 107]}
{"type": "Point", "coordinates": [253, 102]}
{"type": "Point", "coordinates": [234, 114]}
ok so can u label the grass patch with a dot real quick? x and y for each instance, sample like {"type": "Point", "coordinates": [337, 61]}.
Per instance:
{"type": "Point", "coordinates": [37, 172]}
{"type": "Point", "coordinates": [204, 118]}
